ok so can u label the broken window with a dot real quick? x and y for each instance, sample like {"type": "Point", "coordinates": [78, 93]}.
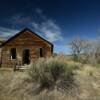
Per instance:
{"type": "Point", "coordinates": [39, 52]}
{"type": "Point", "coordinates": [13, 53]}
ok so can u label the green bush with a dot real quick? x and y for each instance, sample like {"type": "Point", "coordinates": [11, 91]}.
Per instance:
{"type": "Point", "coordinates": [47, 72]}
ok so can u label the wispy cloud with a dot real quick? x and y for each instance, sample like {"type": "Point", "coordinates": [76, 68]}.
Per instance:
{"type": "Point", "coordinates": [20, 19]}
{"type": "Point", "coordinates": [48, 27]}
{"type": "Point", "coordinates": [6, 32]}
{"type": "Point", "coordinates": [40, 13]}
{"type": "Point", "coordinates": [51, 30]}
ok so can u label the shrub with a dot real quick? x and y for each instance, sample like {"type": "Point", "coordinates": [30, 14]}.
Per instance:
{"type": "Point", "coordinates": [47, 72]}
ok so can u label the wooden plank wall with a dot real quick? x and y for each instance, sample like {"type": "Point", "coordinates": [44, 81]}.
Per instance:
{"type": "Point", "coordinates": [24, 41]}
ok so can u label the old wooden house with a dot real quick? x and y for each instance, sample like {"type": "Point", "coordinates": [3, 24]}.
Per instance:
{"type": "Point", "coordinates": [23, 48]}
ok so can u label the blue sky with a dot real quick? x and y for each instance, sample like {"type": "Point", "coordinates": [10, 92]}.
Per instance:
{"type": "Point", "coordinates": [56, 20]}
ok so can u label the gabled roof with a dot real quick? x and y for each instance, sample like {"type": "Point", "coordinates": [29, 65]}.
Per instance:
{"type": "Point", "coordinates": [26, 29]}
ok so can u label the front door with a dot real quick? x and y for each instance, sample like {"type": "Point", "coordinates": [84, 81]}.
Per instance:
{"type": "Point", "coordinates": [26, 55]}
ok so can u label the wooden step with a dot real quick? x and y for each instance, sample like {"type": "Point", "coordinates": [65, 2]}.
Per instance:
{"type": "Point", "coordinates": [26, 67]}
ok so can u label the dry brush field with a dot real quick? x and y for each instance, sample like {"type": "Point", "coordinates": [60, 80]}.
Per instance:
{"type": "Point", "coordinates": [19, 86]}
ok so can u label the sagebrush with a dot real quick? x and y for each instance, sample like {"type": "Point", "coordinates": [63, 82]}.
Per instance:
{"type": "Point", "coordinates": [47, 72]}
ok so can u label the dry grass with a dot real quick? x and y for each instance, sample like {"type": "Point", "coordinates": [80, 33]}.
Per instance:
{"type": "Point", "coordinates": [88, 81]}
{"type": "Point", "coordinates": [16, 86]}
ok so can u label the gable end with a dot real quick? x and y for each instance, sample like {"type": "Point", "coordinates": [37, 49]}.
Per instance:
{"type": "Point", "coordinates": [26, 29]}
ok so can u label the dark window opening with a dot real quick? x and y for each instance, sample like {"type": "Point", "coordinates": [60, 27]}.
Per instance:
{"type": "Point", "coordinates": [13, 53]}
{"type": "Point", "coordinates": [41, 52]}
{"type": "Point", "coordinates": [26, 56]}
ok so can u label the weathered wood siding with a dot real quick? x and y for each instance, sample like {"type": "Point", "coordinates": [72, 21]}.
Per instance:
{"type": "Point", "coordinates": [25, 40]}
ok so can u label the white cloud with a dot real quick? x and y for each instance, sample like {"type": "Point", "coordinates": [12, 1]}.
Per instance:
{"type": "Point", "coordinates": [51, 30]}
{"type": "Point", "coordinates": [6, 32]}
{"type": "Point", "coordinates": [47, 27]}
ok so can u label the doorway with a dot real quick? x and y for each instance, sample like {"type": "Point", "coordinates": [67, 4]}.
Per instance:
{"type": "Point", "coordinates": [26, 55]}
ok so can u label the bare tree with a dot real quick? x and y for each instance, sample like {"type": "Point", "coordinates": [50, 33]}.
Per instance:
{"type": "Point", "coordinates": [76, 45]}
{"type": "Point", "coordinates": [85, 50]}
{"type": "Point", "coordinates": [81, 48]}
